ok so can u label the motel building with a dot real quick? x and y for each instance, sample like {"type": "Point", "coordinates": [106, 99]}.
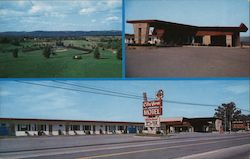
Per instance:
{"type": "Point", "coordinates": [50, 127]}
{"type": "Point", "coordinates": [157, 32]}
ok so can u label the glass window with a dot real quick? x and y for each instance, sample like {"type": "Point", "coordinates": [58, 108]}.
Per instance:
{"type": "Point", "coordinates": [23, 127]}
{"type": "Point", "coordinates": [120, 127]}
{"type": "Point", "coordinates": [75, 127]}
{"type": "Point", "coordinates": [86, 127]}
{"type": "Point", "coordinates": [42, 127]}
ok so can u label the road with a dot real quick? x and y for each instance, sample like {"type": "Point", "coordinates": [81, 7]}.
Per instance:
{"type": "Point", "coordinates": [187, 146]}
{"type": "Point", "coordinates": [187, 62]}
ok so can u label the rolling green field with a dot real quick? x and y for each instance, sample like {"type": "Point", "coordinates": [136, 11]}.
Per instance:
{"type": "Point", "coordinates": [34, 64]}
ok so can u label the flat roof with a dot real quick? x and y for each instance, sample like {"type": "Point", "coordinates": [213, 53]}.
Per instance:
{"type": "Point", "coordinates": [241, 28]}
{"type": "Point", "coordinates": [163, 120]}
{"type": "Point", "coordinates": [61, 120]}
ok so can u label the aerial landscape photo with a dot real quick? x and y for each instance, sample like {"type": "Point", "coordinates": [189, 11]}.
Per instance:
{"type": "Point", "coordinates": [60, 39]}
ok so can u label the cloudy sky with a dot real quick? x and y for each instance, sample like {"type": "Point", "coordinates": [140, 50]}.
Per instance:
{"type": "Point", "coordinates": [19, 100]}
{"type": "Point", "coordinates": [193, 12]}
{"type": "Point", "coordinates": [60, 15]}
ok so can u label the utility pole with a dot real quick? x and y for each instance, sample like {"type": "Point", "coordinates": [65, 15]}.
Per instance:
{"type": "Point", "coordinates": [230, 118]}
{"type": "Point", "coordinates": [225, 113]}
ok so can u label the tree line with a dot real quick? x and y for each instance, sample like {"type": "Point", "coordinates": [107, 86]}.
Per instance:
{"type": "Point", "coordinates": [228, 113]}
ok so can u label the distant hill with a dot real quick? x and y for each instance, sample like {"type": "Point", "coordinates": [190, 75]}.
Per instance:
{"type": "Point", "coordinates": [62, 33]}
{"type": "Point", "coordinates": [245, 40]}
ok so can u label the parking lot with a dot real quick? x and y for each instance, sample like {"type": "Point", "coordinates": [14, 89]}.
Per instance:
{"type": "Point", "coordinates": [187, 62]}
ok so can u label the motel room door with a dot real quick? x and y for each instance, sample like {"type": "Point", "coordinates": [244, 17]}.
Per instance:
{"type": "Point", "coordinates": [139, 35]}
{"type": "Point", "coordinates": [50, 129]}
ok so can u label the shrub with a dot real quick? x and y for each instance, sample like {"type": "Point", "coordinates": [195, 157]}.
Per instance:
{"type": "Point", "coordinates": [96, 53]}
{"type": "Point", "coordinates": [15, 53]}
{"type": "Point", "coordinates": [16, 42]}
{"type": "Point", "coordinates": [47, 52]}
{"type": "Point", "coordinates": [119, 54]}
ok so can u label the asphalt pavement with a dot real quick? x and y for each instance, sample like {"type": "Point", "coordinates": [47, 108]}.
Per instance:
{"type": "Point", "coordinates": [186, 62]}
{"type": "Point", "coordinates": [180, 146]}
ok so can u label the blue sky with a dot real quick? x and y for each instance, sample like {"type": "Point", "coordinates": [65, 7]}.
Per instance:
{"type": "Point", "coordinates": [30, 101]}
{"type": "Point", "coordinates": [193, 12]}
{"type": "Point", "coordinates": [60, 15]}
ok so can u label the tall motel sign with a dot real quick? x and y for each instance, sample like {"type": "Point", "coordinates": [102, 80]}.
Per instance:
{"type": "Point", "coordinates": [152, 110]}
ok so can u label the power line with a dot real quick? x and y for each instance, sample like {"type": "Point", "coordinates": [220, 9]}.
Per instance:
{"type": "Point", "coordinates": [77, 90]}
{"type": "Point", "coordinates": [116, 94]}
{"type": "Point", "coordinates": [168, 101]}
{"type": "Point", "coordinates": [98, 89]}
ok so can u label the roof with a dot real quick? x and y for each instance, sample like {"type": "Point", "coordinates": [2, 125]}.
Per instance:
{"type": "Point", "coordinates": [160, 22]}
{"type": "Point", "coordinates": [129, 35]}
{"type": "Point", "coordinates": [176, 119]}
{"type": "Point", "coordinates": [241, 28]}
{"type": "Point", "coordinates": [59, 120]}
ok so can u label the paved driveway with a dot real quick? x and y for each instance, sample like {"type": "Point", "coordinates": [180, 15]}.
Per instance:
{"type": "Point", "coordinates": [187, 62]}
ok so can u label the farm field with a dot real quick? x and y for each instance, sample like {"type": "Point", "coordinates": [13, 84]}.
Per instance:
{"type": "Point", "coordinates": [33, 64]}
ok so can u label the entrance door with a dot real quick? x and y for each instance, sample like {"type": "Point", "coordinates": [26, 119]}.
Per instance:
{"type": "Point", "coordinates": [218, 40]}
{"type": "Point", "coordinates": [139, 35]}
{"type": "Point", "coordinates": [93, 129]}
{"type": "Point", "coordinates": [67, 129]}
{"type": "Point", "coordinates": [50, 129]}
{"type": "Point", "coordinates": [106, 129]}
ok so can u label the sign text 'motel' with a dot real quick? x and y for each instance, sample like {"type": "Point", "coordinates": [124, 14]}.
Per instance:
{"type": "Point", "coordinates": [152, 112]}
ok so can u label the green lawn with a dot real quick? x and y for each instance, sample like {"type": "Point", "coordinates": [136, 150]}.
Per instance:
{"type": "Point", "coordinates": [33, 64]}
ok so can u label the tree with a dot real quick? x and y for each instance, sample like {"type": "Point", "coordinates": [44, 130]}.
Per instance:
{"type": "Point", "coordinates": [47, 52]}
{"type": "Point", "coordinates": [119, 54]}
{"type": "Point", "coordinates": [59, 43]}
{"type": "Point", "coordinates": [4, 40]}
{"type": "Point", "coordinates": [227, 113]}
{"type": "Point", "coordinates": [16, 42]}
{"type": "Point", "coordinates": [96, 53]}
{"type": "Point", "coordinates": [15, 53]}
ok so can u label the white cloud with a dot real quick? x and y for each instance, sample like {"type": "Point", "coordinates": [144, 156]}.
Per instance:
{"type": "Point", "coordinates": [87, 11]}
{"type": "Point", "coordinates": [42, 15]}
{"type": "Point", "coordinates": [10, 13]}
{"type": "Point", "coordinates": [238, 89]}
{"type": "Point", "coordinates": [110, 3]}
{"type": "Point", "coordinates": [40, 7]}
{"type": "Point", "coordinates": [88, 7]}
{"type": "Point", "coordinates": [5, 93]}
{"type": "Point", "coordinates": [112, 18]}
{"type": "Point", "coordinates": [22, 2]}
